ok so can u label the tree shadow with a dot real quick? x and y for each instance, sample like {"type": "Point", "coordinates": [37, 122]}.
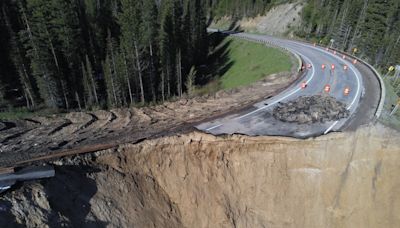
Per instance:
{"type": "Point", "coordinates": [234, 27]}
{"type": "Point", "coordinates": [218, 61]}
{"type": "Point", "coordinates": [7, 219]}
{"type": "Point", "coordinates": [69, 194]}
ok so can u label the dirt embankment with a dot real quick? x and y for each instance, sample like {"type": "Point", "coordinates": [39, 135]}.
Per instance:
{"type": "Point", "coordinates": [198, 180]}
{"type": "Point", "coordinates": [90, 131]}
{"type": "Point", "coordinates": [280, 20]}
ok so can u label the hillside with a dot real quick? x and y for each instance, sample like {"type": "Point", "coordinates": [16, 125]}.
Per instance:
{"type": "Point", "coordinates": [282, 19]}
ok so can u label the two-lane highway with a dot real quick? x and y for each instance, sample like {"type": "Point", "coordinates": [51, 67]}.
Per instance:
{"type": "Point", "coordinates": [345, 84]}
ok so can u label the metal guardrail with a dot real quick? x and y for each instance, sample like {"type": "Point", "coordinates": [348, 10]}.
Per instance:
{"type": "Point", "coordinates": [7, 180]}
{"type": "Point", "coordinates": [381, 105]}
{"type": "Point", "coordinates": [379, 110]}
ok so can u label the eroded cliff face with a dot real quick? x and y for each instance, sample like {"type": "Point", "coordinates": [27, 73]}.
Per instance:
{"type": "Point", "coordinates": [198, 180]}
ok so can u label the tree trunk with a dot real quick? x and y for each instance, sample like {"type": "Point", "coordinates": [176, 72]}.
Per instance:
{"type": "Point", "coordinates": [113, 86]}
{"type": "Point", "coordinates": [127, 79]}
{"type": "Point", "coordinates": [179, 72]}
{"type": "Point", "coordinates": [28, 88]}
{"type": "Point", "coordinates": [44, 72]}
{"type": "Point", "coordinates": [53, 52]}
{"type": "Point", "coordinates": [152, 75]}
{"type": "Point", "coordinates": [26, 97]}
{"type": "Point", "coordinates": [78, 100]}
{"type": "Point", "coordinates": [115, 72]}
{"type": "Point", "coordinates": [163, 86]}
{"type": "Point", "coordinates": [139, 68]}
{"type": "Point", "coordinates": [168, 82]}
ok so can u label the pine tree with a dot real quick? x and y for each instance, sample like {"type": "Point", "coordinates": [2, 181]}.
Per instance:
{"type": "Point", "coordinates": [19, 62]}
{"type": "Point", "coordinates": [130, 22]}
{"type": "Point", "coordinates": [90, 84]}
{"type": "Point", "coordinates": [66, 52]}
{"type": "Point", "coordinates": [36, 41]}
{"type": "Point", "coordinates": [167, 51]}
{"type": "Point", "coordinates": [149, 30]}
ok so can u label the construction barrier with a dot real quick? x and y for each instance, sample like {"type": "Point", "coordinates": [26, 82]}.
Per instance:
{"type": "Point", "coordinates": [327, 88]}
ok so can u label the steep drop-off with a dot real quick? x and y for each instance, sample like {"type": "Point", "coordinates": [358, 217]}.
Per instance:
{"type": "Point", "coordinates": [198, 180]}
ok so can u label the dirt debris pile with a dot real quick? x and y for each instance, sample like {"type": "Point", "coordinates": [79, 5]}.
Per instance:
{"type": "Point", "coordinates": [311, 109]}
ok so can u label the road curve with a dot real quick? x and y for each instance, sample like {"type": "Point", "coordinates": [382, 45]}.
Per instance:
{"type": "Point", "coordinates": [259, 121]}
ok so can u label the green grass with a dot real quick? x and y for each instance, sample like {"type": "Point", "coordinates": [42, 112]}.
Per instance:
{"type": "Point", "coordinates": [391, 99]}
{"type": "Point", "coordinates": [23, 113]}
{"type": "Point", "coordinates": [252, 62]}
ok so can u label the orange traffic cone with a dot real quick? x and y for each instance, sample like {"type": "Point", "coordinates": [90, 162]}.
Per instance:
{"type": "Point", "coordinates": [346, 91]}
{"type": "Point", "coordinates": [327, 88]}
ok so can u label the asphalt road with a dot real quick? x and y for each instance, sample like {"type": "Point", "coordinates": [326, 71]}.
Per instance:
{"type": "Point", "coordinates": [259, 121]}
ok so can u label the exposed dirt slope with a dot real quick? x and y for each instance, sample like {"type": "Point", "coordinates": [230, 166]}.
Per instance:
{"type": "Point", "coordinates": [198, 180]}
{"type": "Point", "coordinates": [28, 139]}
{"type": "Point", "coordinates": [279, 20]}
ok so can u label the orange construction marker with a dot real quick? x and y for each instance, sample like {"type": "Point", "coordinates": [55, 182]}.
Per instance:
{"type": "Point", "coordinates": [344, 57]}
{"type": "Point", "coordinates": [309, 66]}
{"type": "Point", "coordinates": [327, 88]}
{"type": "Point", "coordinates": [323, 66]}
{"type": "Point", "coordinates": [346, 91]}
{"type": "Point", "coordinates": [355, 61]}
{"type": "Point", "coordinates": [304, 85]}
{"type": "Point", "coordinates": [333, 67]}
{"type": "Point", "coordinates": [345, 67]}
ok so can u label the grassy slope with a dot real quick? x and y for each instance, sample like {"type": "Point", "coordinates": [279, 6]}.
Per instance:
{"type": "Point", "coordinates": [253, 62]}
{"type": "Point", "coordinates": [391, 99]}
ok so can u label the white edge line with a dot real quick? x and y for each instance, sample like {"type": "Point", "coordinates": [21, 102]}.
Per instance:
{"type": "Point", "coordinates": [5, 187]}
{"type": "Point", "coordinates": [288, 95]}
{"type": "Point", "coordinates": [279, 100]}
{"type": "Point", "coordinates": [356, 73]}
{"type": "Point", "coordinates": [211, 128]}
{"type": "Point", "coordinates": [331, 127]}
{"type": "Point", "coordinates": [295, 91]}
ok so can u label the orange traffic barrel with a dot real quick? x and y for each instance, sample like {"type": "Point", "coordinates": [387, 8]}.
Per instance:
{"type": "Point", "coordinates": [346, 91]}
{"type": "Point", "coordinates": [327, 88]}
